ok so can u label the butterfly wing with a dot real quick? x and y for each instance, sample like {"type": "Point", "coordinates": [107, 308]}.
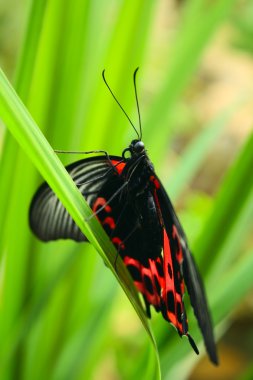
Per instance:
{"type": "Point", "coordinates": [49, 220]}
{"type": "Point", "coordinates": [99, 180]}
{"type": "Point", "coordinates": [188, 269]}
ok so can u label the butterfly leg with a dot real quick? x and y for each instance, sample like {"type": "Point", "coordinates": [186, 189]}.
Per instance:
{"type": "Point", "coordinates": [91, 152]}
{"type": "Point", "coordinates": [81, 152]}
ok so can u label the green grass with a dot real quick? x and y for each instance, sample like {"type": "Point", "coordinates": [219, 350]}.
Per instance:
{"type": "Point", "coordinates": [61, 315]}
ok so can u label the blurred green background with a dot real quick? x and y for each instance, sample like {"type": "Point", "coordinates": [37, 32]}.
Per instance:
{"type": "Point", "coordinates": [62, 313]}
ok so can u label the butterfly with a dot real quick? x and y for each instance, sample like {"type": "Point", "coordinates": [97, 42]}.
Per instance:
{"type": "Point", "coordinates": [132, 205]}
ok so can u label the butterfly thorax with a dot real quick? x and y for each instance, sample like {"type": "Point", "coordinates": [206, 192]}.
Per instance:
{"type": "Point", "coordinates": [138, 169]}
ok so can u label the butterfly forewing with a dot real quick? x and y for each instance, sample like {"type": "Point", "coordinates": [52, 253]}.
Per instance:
{"type": "Point", "coordinates": [49, 219]}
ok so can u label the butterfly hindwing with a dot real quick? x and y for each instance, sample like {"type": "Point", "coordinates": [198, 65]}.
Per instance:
{"type": "Point", "coordinates": [189, 271]}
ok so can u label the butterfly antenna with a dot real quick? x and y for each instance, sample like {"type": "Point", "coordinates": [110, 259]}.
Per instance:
{"type": "Point", "coordinates": [116, 100]}
{"type": "Point", "coordinates": [137, 101]}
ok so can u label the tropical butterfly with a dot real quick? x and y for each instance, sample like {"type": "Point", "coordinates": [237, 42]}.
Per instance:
{"type": "Point", "coordinates": [132, 205]}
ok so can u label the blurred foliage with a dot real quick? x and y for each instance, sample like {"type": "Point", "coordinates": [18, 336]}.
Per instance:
{"type": "Point", "coordinates": [242, 22]}
{"type": "Point", "coordinates": [61, 315]}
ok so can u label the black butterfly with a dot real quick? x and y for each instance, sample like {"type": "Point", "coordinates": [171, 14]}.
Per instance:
{"type": "Point", "coordinates": [132, 205]}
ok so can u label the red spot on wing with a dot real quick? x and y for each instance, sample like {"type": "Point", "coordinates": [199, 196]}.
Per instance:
{"type": "Point", "coordinates": [101, 203]}
{"type": "Point", "coordinates": [118, 243]}
{"type": "Point", "coordinates": [109, 221]}
{"type": "Point", "coordinates": [155, 181]}
{"type": "Point", "coordinates": [150, 282]}
{"type": "Point", "coordinates": [139, 283]}
{"type": "Point", "coordinates": [119, 166]}
{"type": "Point", "coordinates": [157, 279]}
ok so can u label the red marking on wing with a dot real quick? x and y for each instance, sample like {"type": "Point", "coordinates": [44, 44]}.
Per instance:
{"type": "Point", "coordinates": [155, 181]}
{"type": "Point", "coordinates": [171, 288]}
{"type": "Point", "coordinates": [118, 243]}
{"type": "Point", "coordinates": [107, 221]}
{"type": "Point", "coordinates": [110, 222]}
{"type": "Point", "coordinates": [101, 202]}
{"type": "Point", "coordinates": [157, 279]}
{"type": "Point", "coordinates": [151, 282]}
{"type": "Point", "coordinates": [118, 166]}
{"type": "Point", "coordinates": [170, 291]}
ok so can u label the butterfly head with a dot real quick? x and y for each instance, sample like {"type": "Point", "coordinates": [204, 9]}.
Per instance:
{"type": "Point", "coordinates": [137, 147]}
